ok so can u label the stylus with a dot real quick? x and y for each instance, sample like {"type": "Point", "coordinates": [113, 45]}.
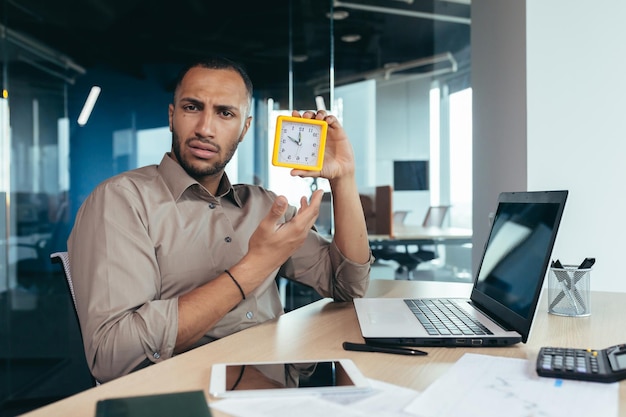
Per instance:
{"type": "Point", "coordinates": [362, 347]}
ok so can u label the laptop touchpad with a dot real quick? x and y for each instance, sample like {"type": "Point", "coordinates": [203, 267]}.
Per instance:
{"type": "Point", "coordinates": [376, 317]}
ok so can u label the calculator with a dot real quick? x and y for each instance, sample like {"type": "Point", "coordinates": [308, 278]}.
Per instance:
{"type": "Point", "coordinates": [604, 365]}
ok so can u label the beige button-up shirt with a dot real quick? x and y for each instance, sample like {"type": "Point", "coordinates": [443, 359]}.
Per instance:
{"type": "Point", "coordinates": [147, 236]}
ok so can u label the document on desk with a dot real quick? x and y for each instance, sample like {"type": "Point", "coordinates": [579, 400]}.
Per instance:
{"type": "Point", "coordinates": [490, 386]}
{"type": "Point", "coordinates": [384, 399]}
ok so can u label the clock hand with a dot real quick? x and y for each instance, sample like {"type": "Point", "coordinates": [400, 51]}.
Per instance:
{"type": "Point", "coordinates": [299, 138]}
{"type": "Point", "coordinates": [298, 149]}
{"type": "Point", "coordinates": [295, 141]}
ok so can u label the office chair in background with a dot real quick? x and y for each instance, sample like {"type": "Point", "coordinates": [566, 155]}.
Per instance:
{"type": "Point", "coordinates": [408, 261]}
{"type": "Point", "coordinates": [64, 259]}
{"type": "Point", "coordinates": [435, 216]}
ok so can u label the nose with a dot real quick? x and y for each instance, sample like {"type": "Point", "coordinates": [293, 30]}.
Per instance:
{"type": "Point", "coordinates": [205, 126]}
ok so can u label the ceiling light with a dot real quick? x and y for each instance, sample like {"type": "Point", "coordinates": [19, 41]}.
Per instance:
{"type": "Point", "coordinates": [354, 37]}
{"type": "Point", "coordinates": [300, 58]}
{"type": "Point", "coordinates": [88, 106]}
{"type": "Point", "coordinates": [338, 15]}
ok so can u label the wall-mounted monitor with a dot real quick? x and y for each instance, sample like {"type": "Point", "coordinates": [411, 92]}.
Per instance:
{"type": "Point", "coordinates": [410, 176]}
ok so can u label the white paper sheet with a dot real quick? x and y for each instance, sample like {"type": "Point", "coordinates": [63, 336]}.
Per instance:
{"type": "Point", "coordinates": [490, 386]}
{"type": "Point", "coordinates": [385, 399]}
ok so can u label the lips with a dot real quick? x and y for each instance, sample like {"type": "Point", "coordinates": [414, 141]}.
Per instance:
{"type": "Point", "coordinates": [202, 150]}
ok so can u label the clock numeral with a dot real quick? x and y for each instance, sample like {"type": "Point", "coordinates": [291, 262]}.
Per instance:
{"type": "Point", "coordinates": [315, 145]}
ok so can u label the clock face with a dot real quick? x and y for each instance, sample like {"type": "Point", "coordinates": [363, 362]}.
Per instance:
{"type": "Point", "coordinates": [299, 143]}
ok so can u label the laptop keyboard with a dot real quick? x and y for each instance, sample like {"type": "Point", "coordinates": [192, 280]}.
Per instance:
{"type": "Point", "coordinates": [444, 317]}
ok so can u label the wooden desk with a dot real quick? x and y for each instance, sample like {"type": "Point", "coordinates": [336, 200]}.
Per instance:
{"type": "Point", "coordinates": [318, 330]}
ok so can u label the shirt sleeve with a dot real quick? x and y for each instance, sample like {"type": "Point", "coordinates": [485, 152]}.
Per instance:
{"type": "Point", "coordinates": [124, 322]}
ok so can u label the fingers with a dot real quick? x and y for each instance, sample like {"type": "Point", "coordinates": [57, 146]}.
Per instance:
{"type": "Point", "coordinates": [307, 214]}
{"type": "Point", "coordinates": [309, 209]}
{"type": "Point", "coordinates": [305, 174]}
{"type": "Point", "coordinates": [278, 209]}
{"type": "Point", "coordinates": [319, 115]}
{"type": "Point", "coordinates": [315, 201]}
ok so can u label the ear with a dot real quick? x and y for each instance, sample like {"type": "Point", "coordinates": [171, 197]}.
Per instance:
{"type": "Point", "coordinates": [170, 110]}
{"type": "Point", "coordinates": [245, 128]}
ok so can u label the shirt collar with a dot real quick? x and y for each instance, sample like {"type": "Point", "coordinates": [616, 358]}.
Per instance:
{"type": "Point", "coordinates": [178, 181]}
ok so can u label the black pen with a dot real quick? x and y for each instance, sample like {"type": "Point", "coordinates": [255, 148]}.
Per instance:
{"type": "Point", "coordinates": [587, 263]}
{"type": "Point", "coordinates": [362, 347]}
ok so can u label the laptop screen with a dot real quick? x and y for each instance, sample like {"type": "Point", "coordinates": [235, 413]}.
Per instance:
{"type": "Point", "coordinates": [513, 262]}
{"type": "Point", "coordinates": [516, 257]}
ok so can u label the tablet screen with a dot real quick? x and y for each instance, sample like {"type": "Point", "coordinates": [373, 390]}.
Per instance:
{"type": "Point", "coordinates": [286, 375]}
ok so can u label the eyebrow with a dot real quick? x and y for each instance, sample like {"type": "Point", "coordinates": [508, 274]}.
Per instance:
{"type": "Point", "coordinates": [218, 107]}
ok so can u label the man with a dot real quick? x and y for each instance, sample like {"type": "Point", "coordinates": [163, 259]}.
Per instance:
{"type": "Point", "coordinates": [166, 258]}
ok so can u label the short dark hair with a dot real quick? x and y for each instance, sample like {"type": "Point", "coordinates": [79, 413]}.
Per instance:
{"type": "Point", "coordinates": [217, 63]}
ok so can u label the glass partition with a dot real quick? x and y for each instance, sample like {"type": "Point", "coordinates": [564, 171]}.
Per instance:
{"type": "Point", "coordinates": [41, 357]}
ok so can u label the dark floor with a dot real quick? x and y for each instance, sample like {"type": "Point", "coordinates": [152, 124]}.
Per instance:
{"type": "Point", "coordinates": [41, 353]}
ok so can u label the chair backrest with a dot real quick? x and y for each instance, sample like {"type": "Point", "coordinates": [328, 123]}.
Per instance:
{"type": "Point", "coordinates": [383, 202]}
{"type": "Point", "coordinates": [64, 259]}
{"type": "Point", "coordinates": [435, 216]}
{"type": "Point", "coordinates": [399, 216]}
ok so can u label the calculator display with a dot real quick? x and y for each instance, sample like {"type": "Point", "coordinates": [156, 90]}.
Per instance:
{"type": "Point", "coordinates": [620, 359]}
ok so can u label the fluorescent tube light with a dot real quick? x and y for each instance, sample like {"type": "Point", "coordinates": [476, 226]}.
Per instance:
{"type": "Point", "coordinates": [88, 106]}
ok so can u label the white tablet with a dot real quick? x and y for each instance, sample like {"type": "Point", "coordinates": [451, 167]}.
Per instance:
{"type": "Point", "coordinates": [285, 378]}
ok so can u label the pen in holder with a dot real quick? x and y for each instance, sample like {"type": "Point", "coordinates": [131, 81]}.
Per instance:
{"type": "Point", "coordinates": [568, 289]}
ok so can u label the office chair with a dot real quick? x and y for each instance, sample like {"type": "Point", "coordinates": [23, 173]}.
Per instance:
{"type": "Point", "coordinates": [399, 216]}
{"type": "Point", "coordinates": [407, 260]}
{"type": "Point", "coordinates": [435, 216]}
{"type": "Point", "coordinates": [64, 259]}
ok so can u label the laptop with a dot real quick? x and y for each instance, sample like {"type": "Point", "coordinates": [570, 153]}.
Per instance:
{"type": "Point", "coordinates": [506, 288]}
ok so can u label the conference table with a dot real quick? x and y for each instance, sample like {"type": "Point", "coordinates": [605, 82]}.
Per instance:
{"type": "Point", "coordinates": [411, 235]}
{"type": "Point", "coordinates": [317, 331]}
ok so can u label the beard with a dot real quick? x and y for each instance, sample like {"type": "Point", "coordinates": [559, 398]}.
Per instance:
{"type": "Point", "coordinates": [196, 172]}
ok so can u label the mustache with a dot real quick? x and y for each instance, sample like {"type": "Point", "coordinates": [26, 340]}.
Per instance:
{"type": "Point", "coordinates": [204, 141]}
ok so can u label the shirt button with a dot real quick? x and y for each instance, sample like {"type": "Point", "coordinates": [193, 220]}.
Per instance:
{"type": "Point", "coordinates": [227, 239]}
{"type": "Point", "coordinates": [156, 355]}
{"type": "Point", "coordinates": [212, 206]}
{"type": "Point", "coordinates": [249, 315]}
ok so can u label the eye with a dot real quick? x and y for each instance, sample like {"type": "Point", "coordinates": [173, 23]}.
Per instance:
{"type": "Point", "coordinates": [190, 107]}
{"type": "Point", "coordinates": [227, 113]}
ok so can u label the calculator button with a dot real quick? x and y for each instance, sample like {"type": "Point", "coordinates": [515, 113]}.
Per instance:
{"type": "Point", "coordinates": [557, 363]}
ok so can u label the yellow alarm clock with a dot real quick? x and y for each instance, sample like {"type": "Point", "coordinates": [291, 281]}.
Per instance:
{"type": "Point", "coordinates": [299, 143]}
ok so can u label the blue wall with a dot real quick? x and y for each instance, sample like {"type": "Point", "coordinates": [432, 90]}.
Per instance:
{"type": "Point", "coordinates": [124, 102]}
